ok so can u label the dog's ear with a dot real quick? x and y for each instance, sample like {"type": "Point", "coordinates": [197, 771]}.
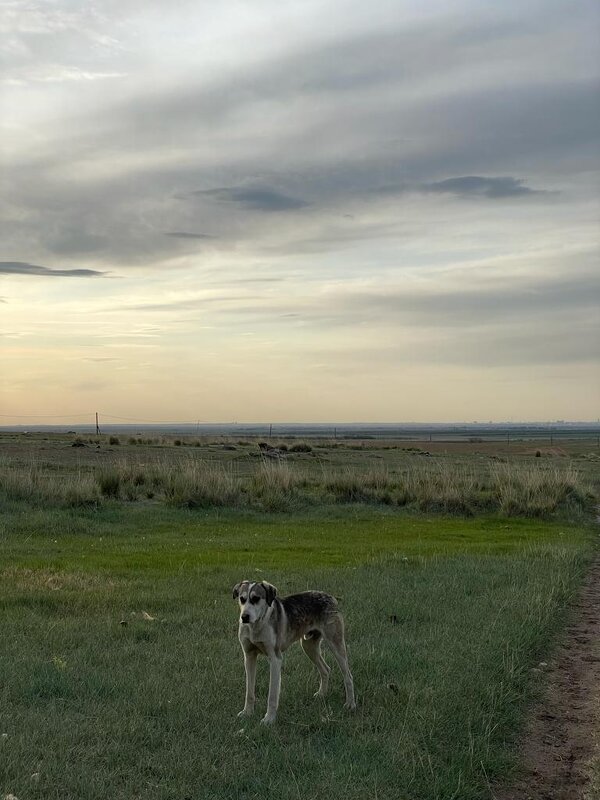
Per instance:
{"type": "Point", "coordinates": [270, 592]}
{"type": "Point", "coordinates": [236, 591]}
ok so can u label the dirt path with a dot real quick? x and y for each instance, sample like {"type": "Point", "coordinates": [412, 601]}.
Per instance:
{"type": "Point", "coordinates": [564, 730]}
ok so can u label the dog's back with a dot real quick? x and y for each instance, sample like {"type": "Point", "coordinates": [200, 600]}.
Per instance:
{"type": "Point", "coordinates": [307, 610]}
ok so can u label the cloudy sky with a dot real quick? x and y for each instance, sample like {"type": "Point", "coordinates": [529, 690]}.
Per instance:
{"type": "Point", "coordinates": [271, 210]}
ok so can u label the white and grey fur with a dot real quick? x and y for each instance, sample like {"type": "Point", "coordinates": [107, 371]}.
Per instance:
{"type": "Point", "coordinates": [269, 625]}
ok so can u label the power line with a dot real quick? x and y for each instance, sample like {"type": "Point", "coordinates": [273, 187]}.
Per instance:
{"type": "Point", "coordinates": [47, 416]}
{"type": "Point", "coordinates": [158, 421]}
{"type": "Point", "coordinates": [109, 416]}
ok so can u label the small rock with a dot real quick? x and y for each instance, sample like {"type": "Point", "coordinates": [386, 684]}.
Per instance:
{"type": "Point", "coordinates": [123, 622]}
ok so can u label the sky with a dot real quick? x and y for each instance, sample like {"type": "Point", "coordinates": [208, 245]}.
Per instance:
{"type": "Point", "coordinates": [297, 210]}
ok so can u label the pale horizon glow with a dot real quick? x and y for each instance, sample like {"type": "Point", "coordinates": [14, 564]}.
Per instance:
{"type": "Point", "coordinates": [297, 211]}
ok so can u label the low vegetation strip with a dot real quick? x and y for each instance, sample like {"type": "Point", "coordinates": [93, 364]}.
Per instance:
{"type": "Point", "coordinates": [527, 489]}
{"type": "Point", "coordinates": [120, 673]}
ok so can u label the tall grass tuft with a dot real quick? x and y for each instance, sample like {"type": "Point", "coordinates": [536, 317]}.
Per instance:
{"type": "Point", "coordinates": [109, 481]}
{"type": "Point", "coordinates": [275, 485]}
{"type": "Point", "coordinates": [360, 486]}
{"type": "Point", "coordinates": [538, 491]}
{"type": "Point", "coordinates": [42, 488]}
{"type": "Point", "coordinates": [195, 484]}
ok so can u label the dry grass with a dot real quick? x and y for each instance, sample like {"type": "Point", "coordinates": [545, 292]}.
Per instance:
{"type": "Point", "coordinates": [56, 580]}
{"type": "Point", "coordinates": [38, 486]}
{"type": "Point", "coordinates": [196, 484]}
{"type": "Point", "coordinates": [533, 488]}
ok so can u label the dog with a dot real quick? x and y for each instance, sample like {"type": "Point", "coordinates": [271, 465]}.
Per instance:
{"type": "Point", "coordinates": [268, 626]}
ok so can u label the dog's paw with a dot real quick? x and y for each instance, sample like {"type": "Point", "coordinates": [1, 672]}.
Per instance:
{"type": "Point", "coordinates": [319, 694]}
{"type": "Point", "coordinates": [268, 719]}
{"type": "Point", "coordinates": [350, 705]}
{"type": "Point", "coordinates": [246, 712]}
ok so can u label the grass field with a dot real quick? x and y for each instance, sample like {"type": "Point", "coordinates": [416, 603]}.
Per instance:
{"type": "Point", "coordinates": [121, 675]}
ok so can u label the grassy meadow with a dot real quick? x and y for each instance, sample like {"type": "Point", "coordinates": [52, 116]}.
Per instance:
{"type": "Point", "coordinates": [120, 671]}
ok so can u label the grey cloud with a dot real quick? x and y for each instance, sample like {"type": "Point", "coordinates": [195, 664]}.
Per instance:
{"type": "Point", "coordinates": [72, 241]}
{"type": "Point", "coordinates": [467, 186]}
{"type": "Point", "coordinates": [485, 305]}
{"type": "Point", "coordinates": [257, 280]}
{"type": "Point", "coordinates": [359, 97]}
{"type": "Point", "coordinates": [566, 343]}
{"type": "Point", "coordinates": [20, 268]}
{"type": "Point", "coordinates": [475, 185]}
{"type": "Point", "coordinates": [186, 235]}
{"type": "Point", "coordinates": [455, 308]}
{"type": "Point", "coordinates": [255, 198]}
{"type": "Point", "coordinates": [194, 304]}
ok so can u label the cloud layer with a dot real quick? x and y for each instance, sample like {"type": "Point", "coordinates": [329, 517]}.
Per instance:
{"type": "Point", "coordinates": [19, 268]}
{"type": "Point", "coordinates": [362, 191]}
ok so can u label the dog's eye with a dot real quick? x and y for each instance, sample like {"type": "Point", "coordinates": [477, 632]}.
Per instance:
{"type": "Point", "coordinates": [254, 599]}
{"type": "Point", "coordinates": [242, 600]}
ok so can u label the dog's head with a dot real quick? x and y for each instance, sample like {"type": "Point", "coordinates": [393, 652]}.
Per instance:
{"type": "Point", "coordinates": [254, 599]}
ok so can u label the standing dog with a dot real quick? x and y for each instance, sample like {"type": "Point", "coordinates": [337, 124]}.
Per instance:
{"type": "Point", "coordinates": [269, 626]}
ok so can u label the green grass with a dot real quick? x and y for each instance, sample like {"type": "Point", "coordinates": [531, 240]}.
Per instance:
{"type": "Point", "coordinates": [446, 617]}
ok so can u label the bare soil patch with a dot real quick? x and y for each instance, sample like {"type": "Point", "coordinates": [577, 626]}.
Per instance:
{"type": "Point", "coordinates": [563, 732]}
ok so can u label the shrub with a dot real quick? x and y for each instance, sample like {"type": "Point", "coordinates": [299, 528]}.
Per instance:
{"type": "Point", "coordinates": [114, 440]}
{"type": "Point", "coordinates": [300, 447]}
{"type": "Point", "coordinates": [275, 485]}
{"type": "Point", "coordinates": [538, 490]}
{"type": "Point", "coordinates": [352, 486]}
{"type": "Point", "coordinates": [200, 485]}
{"type": "Point", "coordinates": [109, 481]}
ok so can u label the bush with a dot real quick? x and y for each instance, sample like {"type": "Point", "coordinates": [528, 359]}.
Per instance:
{"type": "Point", "coordinates": [114, 440]}
{"type": "Point", "coordinates": [537, 491]}
{"type": "Point", "coordinates": [300, 447]}
{"type": "Point", "coordinates": [274, 484]}
{"type": "Point", "coordinates": [200, 485]}
{"type": "Point", "coordinates": [355, 486]}
{"type": "Point", "coordinates": [109, 481]}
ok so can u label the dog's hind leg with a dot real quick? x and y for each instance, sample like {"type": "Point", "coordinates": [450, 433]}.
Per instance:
{"type": "Point", "coordinates": [334, 634]}
{"type": "Point", "coordinates": [312, 648]}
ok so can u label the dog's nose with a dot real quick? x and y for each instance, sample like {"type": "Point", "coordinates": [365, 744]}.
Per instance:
{"type": "Point", "coordinates": [245, 617]}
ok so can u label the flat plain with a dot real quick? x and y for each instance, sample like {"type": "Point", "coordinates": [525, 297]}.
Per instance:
{"type": "Point", "coordinates": [120, 671]}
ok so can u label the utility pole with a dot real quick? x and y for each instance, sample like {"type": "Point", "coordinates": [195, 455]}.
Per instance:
{"type": "Point", "coordinates": [270, 430]}
{"type": "Point", "coordinates": [97, 426]}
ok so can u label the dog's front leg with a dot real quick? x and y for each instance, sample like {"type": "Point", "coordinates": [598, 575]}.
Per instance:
{"type": "Point", "coordinates": [274, 686]}
{"type": "Point", "coordinates": [250, 667]}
